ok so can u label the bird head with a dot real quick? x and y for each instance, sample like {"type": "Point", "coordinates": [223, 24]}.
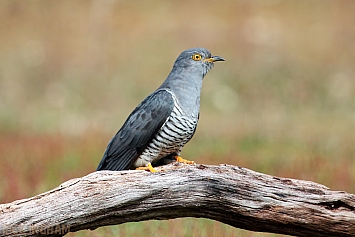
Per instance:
{"type": "Point", "coordinates": [196, 60]}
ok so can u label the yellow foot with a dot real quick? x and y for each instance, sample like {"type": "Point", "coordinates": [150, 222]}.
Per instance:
{"type": "Point", "coordinates": [149, 167]}
{"type": "Point", "coordinates": [182, 160]}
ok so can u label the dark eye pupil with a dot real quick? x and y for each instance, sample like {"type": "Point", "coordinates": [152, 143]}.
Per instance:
{"type": "Point", "coordinates": [196, 57]}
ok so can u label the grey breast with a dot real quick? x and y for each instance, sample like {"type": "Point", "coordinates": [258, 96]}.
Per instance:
{"type": "Point", "coordinates": [177, 130]}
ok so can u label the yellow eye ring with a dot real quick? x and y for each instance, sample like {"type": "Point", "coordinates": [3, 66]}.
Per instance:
{"type": "Point", "coordinates": [196, 57]}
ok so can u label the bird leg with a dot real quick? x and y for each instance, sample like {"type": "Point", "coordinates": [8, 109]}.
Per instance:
{"type": "Point", "coordinates": [149, 167]}
{"type": "Point", "coordinates": [182, 160]}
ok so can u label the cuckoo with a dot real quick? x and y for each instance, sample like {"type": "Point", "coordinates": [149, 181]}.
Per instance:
{"type": "Point", "coordinates": [159, 127]}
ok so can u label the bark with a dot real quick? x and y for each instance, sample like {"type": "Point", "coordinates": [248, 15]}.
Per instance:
{"type": "Point", "coordinates": [233, 195]}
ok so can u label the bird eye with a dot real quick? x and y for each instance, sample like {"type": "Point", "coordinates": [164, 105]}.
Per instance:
{"type": "Point", "coordinates": [196, 57]}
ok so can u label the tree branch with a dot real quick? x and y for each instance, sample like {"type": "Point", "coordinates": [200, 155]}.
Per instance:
{"type": "Point", "coordinates": [233, 195]}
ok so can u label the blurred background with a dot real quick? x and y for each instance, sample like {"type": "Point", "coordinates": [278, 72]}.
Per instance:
{"type": "Point", "coordinates": [283, 102]}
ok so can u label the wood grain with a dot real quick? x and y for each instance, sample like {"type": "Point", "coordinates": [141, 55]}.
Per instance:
{"type": "Point", "coordinates": [233, 195]}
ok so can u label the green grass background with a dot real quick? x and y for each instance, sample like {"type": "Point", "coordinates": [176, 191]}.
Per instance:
{"type": "Point", "coordinates": [283, 102]}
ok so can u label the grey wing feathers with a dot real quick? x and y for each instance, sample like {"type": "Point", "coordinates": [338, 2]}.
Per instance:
{"type": "Point", "coordinates": [138, 130]}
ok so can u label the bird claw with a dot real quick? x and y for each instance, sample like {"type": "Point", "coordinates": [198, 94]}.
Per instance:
{"type": "Point", "coordinates": [149, 167]}
{"type": "Point", "coordinates": [182, 160]}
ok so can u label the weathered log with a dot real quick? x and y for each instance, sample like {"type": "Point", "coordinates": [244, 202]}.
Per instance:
{"type": "Point", "coordinates": [233, 195]}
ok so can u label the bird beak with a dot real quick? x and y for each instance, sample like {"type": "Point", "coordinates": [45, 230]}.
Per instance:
{"type": "Point", "coordinates": [213, 59]}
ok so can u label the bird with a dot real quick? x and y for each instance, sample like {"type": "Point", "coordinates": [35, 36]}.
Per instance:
{"type": "Point", "coordinates": [159, 127]}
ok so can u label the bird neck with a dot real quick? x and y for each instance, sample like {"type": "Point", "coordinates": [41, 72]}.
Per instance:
{"type": "Point", "coordinates": [187, 89]}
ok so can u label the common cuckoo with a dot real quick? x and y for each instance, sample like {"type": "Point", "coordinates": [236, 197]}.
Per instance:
{"type": "Point", "coordinates": [159, 127]}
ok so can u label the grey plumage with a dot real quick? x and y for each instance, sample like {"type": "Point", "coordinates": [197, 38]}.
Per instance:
{"type": "Point", "coordinates": [166, 120]}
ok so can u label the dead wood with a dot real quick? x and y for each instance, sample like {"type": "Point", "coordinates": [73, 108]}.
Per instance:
{"type": "Point", "coordinates": [233, 195]}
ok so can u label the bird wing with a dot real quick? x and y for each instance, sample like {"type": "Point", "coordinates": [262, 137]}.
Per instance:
{"type": "Point", "coordinates": [138, 130]}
